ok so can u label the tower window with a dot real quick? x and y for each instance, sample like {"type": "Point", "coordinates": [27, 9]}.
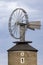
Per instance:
{"type": "Point", "coordinates": [22, 60]}
{"type": "Point", "coordinates": [22, 53]}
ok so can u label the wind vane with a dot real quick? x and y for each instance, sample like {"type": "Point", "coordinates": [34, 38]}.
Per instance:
{"type": "Point", "coordinates": [18, 24]}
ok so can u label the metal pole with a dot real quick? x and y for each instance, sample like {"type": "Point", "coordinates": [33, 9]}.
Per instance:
{"type": "Point", "coordinates": [22, 33]}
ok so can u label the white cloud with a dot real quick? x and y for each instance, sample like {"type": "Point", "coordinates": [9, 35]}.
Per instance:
{"type": "Point", "coordinates": [3, 59]}
{"type": "Point", "coordinates": [7, 7]}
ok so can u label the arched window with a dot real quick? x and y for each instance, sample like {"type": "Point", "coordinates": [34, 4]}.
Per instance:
{"type": "Point", "coordinates": [22, 60]}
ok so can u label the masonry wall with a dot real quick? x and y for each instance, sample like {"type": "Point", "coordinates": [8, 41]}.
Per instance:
{"type": "Point", "coordinates": [14, 58]}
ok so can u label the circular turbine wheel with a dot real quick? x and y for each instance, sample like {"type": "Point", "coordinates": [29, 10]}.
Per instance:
{"type": "Point", "coordinates": [18, 15]}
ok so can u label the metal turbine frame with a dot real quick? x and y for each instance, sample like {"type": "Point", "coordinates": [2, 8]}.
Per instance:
{"type": "Point", "coordinates": [18, 24]}
{"type": "Point", "coordinates": [17, 12]}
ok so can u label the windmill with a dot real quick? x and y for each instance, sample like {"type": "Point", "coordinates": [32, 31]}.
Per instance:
{"type": "Point", "coordinates": [18, 24]}
{"type": "Point", "coordinates": [22, 53]}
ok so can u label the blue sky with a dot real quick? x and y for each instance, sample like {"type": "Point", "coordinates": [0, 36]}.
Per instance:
{"type": "Point", "coordinates": [34, 9]}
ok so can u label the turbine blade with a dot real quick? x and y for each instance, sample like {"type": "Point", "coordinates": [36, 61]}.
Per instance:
{"type": "Point", "coordinates": [34, 25]}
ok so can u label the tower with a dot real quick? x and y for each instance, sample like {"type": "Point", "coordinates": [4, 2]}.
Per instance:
{"type": "Point", "coordinates": [22, 53]}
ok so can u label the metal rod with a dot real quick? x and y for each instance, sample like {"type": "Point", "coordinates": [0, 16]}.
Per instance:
{"type": "Point", "coordinates": [22, 33]}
